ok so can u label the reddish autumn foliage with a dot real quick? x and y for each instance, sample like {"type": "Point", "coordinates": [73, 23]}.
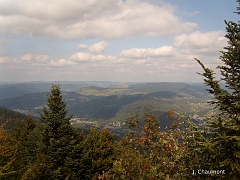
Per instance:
{"type": "Point", "coordinates": [170, 114]}
{"type": "Point", "coordinates": [157, 154]}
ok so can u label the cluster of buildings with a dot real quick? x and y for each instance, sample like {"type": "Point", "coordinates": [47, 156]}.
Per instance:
{"type": "Point", "coordinates": [113, 125]}
{"type": "Point", "coordinates": [82, 121]}
{"type": "Point", "coordinates": [27, 112]}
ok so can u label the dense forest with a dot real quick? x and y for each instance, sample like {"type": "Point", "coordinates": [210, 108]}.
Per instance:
{"type": "Point", "coordinates": [10, 118]}
{"type": "Point", "coordinates": [52, 149]}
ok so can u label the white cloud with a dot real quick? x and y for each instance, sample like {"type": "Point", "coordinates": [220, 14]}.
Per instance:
{"type": "Point", "coordinates": [130, 64]}
{"type": "Point", "coordinates": [4, 59]}
{"type": "Point", "coordinates": [32, 58]}
{"type": "Point", "coordinates": [75, 19]}
{"type": "Point", "coordinates": [82, 46]}
{"type": "Point", "coordinates": [95, 48]}
{"type": "Point", "coordinates": [42, 58]}
{"type": "Point", "coordinates": [197, 42]}
{"type": "Point", "coordinates": [27, 57]}
{"type": "Point", "coordinates": [98, 47]}
{"type": "Point", "coordinates": [186, 66]}
{"type": "Point", "coordinates": [61, 62]}
{"type": "Point", "coordinates": [178, 57]}
{"type": "Point", "coordinates": [89, 58]}
{"type": "Point", "coordinates": [80, 56]}
{"type": "Point", "coordinates": [164, 51]}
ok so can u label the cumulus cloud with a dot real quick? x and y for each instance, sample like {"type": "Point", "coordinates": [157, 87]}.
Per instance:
{"type": "Point", "coordinates": [132, 64]}
{"type": "Point", "coordinates": [90, 19]}
{"type": "Point", "coordinates": [197, 42]}
{"type": "Point", "coordinates": [34, 57]}
{"type": "Point", "coordinates": [179, 56]}
{"type": "Point", "coordinates": [42, 58]}
{"type": "Point", "coordinates": [27, 57]}
{"type": "Point", "coordinates": [4, 59]}
{"type": "Point", "coordinates": [164, 51]}
{"type": "Point", "coordinates": [82, 46]}
{"type": "Point", "coordinates": [98, 47]}
{"type": "Point", "coordinates": [61, 62]}
{"type": "Point", "coordinates": [88, 58]}
{"type": "Point", "coordinates": [95, 48]}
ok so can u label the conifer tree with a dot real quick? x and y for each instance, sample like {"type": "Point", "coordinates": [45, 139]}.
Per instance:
{"type": "Point", "coordinates": [7, 154]}
{"type": "Point", "coordinates": [238, 8]}
{"type": "Point", "coordinates": [222, 148]}
{"type": "Point", "coordinates": [98, 154]}
{"type": "Point", "coordinates": [25, 139]}
{"type": "Point", "coordinates": [57, 138]}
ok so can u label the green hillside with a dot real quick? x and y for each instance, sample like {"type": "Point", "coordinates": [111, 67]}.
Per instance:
{"type": "Point", "coordinates": [15, 90]}
{"type": "Point", "coordinates": [114, 103]}
{"type": "Point", "coordinates": [144, 88]}
{"type": "Point", "coordinates": [10, 117]}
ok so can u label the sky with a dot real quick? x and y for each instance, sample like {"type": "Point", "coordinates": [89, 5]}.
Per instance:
{"type": "Point", "coordinates": [111, 40]}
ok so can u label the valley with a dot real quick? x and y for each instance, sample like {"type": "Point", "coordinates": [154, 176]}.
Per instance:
{"type": "Point", "coordinates": [105, 104]}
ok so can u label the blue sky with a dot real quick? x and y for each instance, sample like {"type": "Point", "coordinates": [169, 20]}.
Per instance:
{"type": "Point", "coordinates": [111, 40]}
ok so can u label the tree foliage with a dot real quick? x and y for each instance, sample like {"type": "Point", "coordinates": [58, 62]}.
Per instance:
{"type": "Point", "coordinates": [238, 8]}
{"type": "Point", "coordinates": [223, 145]}
{"type": "Point", "coordinates": [7, 154]}
{"type": "Point", "coordinates": [52, 149]}
{"type": "Point", "coordinates": [10, 118]}
{"type": "Point", "coordinates": [57, 136]}
{"type": "Point", "coordinates": [26, 139]}
{"type": "Point", "coordinates": [149, 153]}
{"type": "Point", "coordinates": [98, 153]}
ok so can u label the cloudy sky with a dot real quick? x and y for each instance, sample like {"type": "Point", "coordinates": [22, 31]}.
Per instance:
{"type": "Point", "coordinates": [111, 40]}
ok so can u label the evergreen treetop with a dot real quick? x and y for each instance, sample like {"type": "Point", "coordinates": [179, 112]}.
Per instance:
{"type": "Point", "coordinates": [238, 8]}
{"type": "Point", "coordinates": [54, 117]}
{"type": "Point", "coordinates": [58, 137]}
{"type": "Point", "coordinates": [222, 147]}
{"type": "Point", "coordinates": [228, 101]}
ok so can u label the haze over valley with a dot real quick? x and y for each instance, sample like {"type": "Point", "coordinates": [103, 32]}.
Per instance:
{"type": "Point", "coordinates": [109, 104]}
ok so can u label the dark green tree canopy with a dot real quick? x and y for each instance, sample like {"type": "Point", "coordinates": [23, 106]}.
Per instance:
{"type": "Point", "coordinates": [56, 107]}
{"type": "Point", "coordinates": [228, 101]}
{"type": "Point", "coordinates": [222, 148]}
{"type": "Point", "coordinates": [58, 136]}
{"type": "Point", "coordinates": [54, 117]}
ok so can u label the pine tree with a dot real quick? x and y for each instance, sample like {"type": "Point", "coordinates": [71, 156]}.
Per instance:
{"type": "Point", "coordinates": [98, 153]}
{"type": "Point", "coordinates": [222, 147]}
{"type": "Point", "coordinates": [58, 137]}
{"type": "Point", "coordinates": [26, 139]}
{"type": "Point", "coordinates": [7, 154]}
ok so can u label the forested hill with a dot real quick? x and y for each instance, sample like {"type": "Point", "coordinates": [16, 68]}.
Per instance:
{"type": "Point", "coordinates": [20, 89]}
{"type": "Point", "coordinates": [116, 101]}
{"type": "Point", "coordinates": [10, 117]}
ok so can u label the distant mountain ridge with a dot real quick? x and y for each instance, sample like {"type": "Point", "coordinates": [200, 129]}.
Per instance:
{"type": "Point", "coordinates": [116, 101]}
{"type": "Point", "coordinates": [19, 89]}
